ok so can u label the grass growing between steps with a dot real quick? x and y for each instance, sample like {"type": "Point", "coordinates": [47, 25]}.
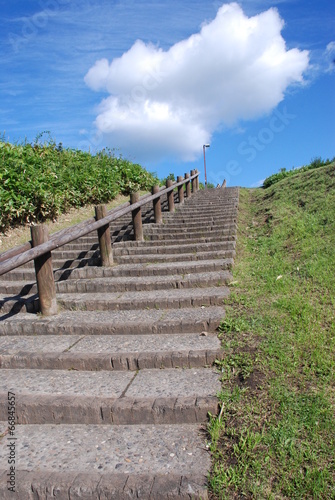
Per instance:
{"type": "Point", "coordinates": [275, 437]}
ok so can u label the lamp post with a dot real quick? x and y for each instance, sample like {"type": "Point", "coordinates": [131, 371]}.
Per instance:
{"type": "Point", "coordinates": [204, 148]}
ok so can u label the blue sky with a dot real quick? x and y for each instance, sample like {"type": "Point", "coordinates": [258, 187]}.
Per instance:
{"type": "Point", "coordinates": [156, 80]}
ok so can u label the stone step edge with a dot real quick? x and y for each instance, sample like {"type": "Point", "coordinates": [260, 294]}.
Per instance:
{"type": "Point", "coordinates": [192, 320]}
{"type": "Point", "coordinates": [166, 257]}
{"type": "Point", "coordinates": [231, 236]}
{"type": "Point", "coordinates": [132, 361]}
{"type": "Point", "coordinates": [37, 408]}
{"type": "Point", "coordinates": [99, 301]}
{"type": "Point", "coordinates": [177, 299]}
{"type": "Point", "coordinates": [79, 285]}
{"type": "Point", "coordinates": [174, 250]}
{"type": "Point", "coordinates": [76, 484]}
{"type": "Point", "coordinates": [126, 270]}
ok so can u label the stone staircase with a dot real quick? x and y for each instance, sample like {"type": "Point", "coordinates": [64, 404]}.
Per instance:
{"type": "Point", "coordinates": [112, 394]}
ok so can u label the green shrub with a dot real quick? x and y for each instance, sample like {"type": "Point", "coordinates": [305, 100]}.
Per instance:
{"type": "Point", "coordinates": [40, 181]}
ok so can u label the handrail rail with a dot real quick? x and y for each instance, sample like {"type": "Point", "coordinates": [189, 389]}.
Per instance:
{"type": "Point", "coordinates": [13, 252]}
{"type": "Point", "coordinates": [70, 234]}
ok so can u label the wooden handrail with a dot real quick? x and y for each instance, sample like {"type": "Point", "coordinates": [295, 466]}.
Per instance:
{"type": "Point", "coordinates": [25, 253]}
{"type": "Point", "coordinates": [27, 246]}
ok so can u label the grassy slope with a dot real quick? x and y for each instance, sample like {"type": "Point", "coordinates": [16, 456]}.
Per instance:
{"type": "Point", "coordinates": [275, 438]}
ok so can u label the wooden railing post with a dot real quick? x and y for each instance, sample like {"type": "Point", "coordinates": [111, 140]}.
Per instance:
{"type": "Point", "coordinates": [44, 273]}
{"type": "Point", "coordinates": [170, 196]}
{"type": "Point", "coordinates": [137, 217]}
{"type": "Point", "coordinates": [197, 181]}
{"type": "Point", "coordinates": [104, 235]}
{"type": "Point", "coordinates": [180, 190]}
{"type": "Point", "coordinates": [157, 206]}
{"type": "Point", "coordinates": [188, 186]}
{"type": "Point", "coordinates": [193, 182]}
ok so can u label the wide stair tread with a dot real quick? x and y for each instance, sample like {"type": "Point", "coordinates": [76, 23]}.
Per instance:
{"type": "Point", "coordinates": [141, 269]}
{"type": "Point", "coordinates": [109, 352]}
{"type": "Point", "coordinates": [169, 299]}
{"type": "Point", "coordinates": [117, 462]}
{"type": "Point", "coordinates": [117, 301]}
{"type": "Point", "coordinates": [110, 397]}
{"type": "Point", "coordinates": [176, 257]}
{"type": "Point", "coordinates": [147, 248]}
{"type": "Point", "coordinates": [134, 321]}
{"type": "Point", "coordinates": [121, 284]}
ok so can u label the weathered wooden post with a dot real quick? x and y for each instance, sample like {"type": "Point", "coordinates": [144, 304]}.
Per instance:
{"type": "Point", "coordinates": [170, 196]}
{"type": "Point", "coordinates": [157, 206]}
{"type": "Point", "coordinates": [193, 181]}
{"type": "Point", "coordinates": [137, 217]}
{"type": "Point", "coordinates": [180, 190]}
{"type": "Point", "coordinates": [44, 273]}
{"type": "Point", "coordinates": [104, 235]}
{"type": "Point", "coordinates": [188, 186]}
{"type": "Point", "coordinates": [197, 181]}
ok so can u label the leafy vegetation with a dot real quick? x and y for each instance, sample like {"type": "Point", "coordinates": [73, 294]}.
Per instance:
{"type": "Point", "coordinates": [275, 435]}
{"type": "Point", "coordinates": [170, 177]}
{"type": "Point", "coordinates": [283, 173]}
{"type": "Point", "coordinates": [41, 181]}
{"type": "Point", "coordinates": [209, 185]}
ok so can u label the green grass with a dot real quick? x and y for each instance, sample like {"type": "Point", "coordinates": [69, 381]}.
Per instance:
{"type": "Point", "coordinates": [41, 181]}
{"type": "Point", "coordinates": [276, 434]}
{"type": "Point", "coordinates": [315, 163]}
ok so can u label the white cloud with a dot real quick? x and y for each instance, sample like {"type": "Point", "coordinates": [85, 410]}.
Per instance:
{"type": "Point", "coordinates": [169, 103]}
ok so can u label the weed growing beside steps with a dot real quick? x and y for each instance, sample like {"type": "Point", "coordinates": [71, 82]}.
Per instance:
{"type": "Point", "coordinates": [275, 437]}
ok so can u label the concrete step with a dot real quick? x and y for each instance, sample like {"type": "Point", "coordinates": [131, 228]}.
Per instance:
{"type": "Point", "coordinates": [221, 223]}
{"type": "Point", "coordinates": [63, 255]}
{"type": "Point", "coordinates": [147, 248]}
{"type": "Point", "coordinates": [79, 247]}
{"type": "Point", "coordinates": [16, 305]}
{"type": "Point", "coordinates": [146, 283]}
{"type": "Point", "coordinates": [130, 322]}
{"type": "Point", "coordinates": [22, 274]}
{"type": "Point", "coordinates": [157, 299]}
{"type": "Point", "coordinates": [181, 229]}
{"type": "Point", "coordinates": [114, 353]}
{"type": "Point", "coordinates": [150, 269]}
{"type": "Point", "coordinates": [160, 269]}
{"type": "Point", "coordinates": [215, 202]}
{"type": "Point", "coordinates": [75, 263]}
{"type": "Point", "coordinates": [216, 278]}
{"type": "Point", "coordinates": [121, 462]}
{"type": "Point", "coordinates": [67, 264]}
{"type": "Point", "coordinates": [9, 288]}
{"type": "Point", "coordinates": [189, 223]}
{"type": "Point", "coordinates": [150, 396]}
{"type": "Point", "coordinates": [227, 234]}
{"type": "Point", "coordinates": [218, 254]}
{"type": "Point", "coordinates": [181, 219]}
{"type": "Point", "coordinates": [200, 236]}
{"type": "Point", "coordinates": [201, 210]}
